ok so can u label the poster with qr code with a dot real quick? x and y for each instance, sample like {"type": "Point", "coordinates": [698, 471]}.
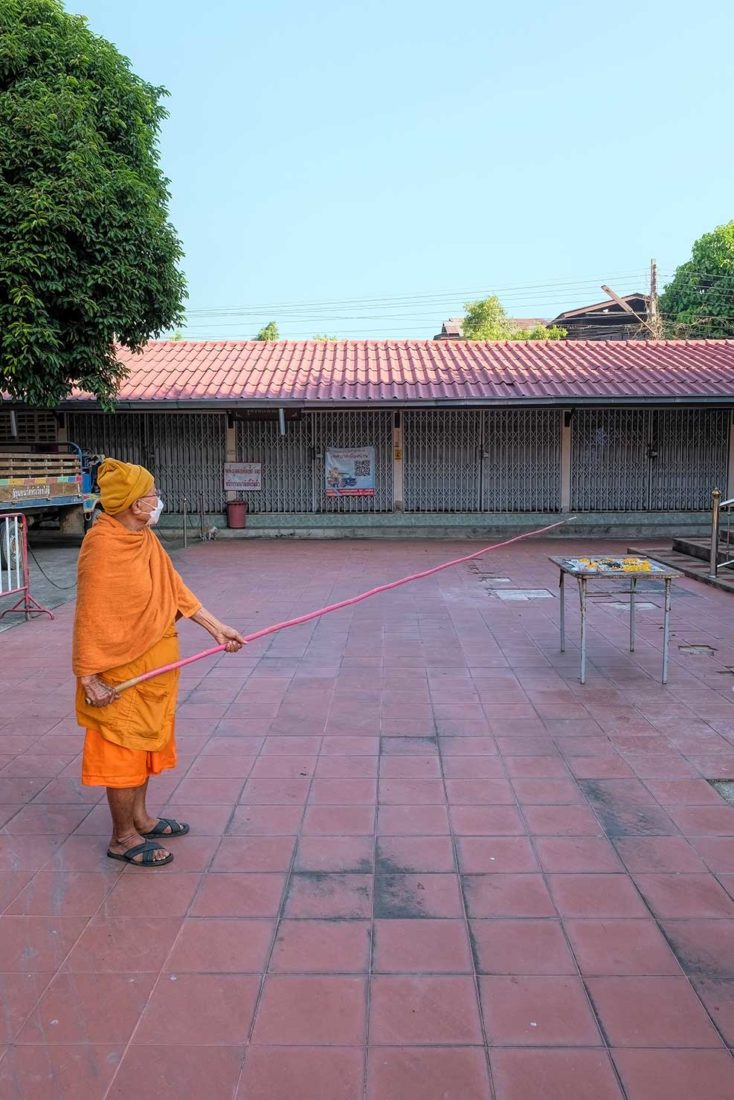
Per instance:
{"type": "Point", "coordinates": [350, 473]}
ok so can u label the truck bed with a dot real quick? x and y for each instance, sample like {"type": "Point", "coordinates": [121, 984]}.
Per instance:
{"type": "Point", "coordinates": [35, 478]}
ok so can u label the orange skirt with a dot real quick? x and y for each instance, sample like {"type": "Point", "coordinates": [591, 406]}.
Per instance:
{"type": "Point", "coordinates": [105, 764]}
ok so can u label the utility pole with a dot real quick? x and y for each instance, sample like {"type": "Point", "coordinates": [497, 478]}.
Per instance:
{"type": "Point", "coordinates": [652, 328]}
{"type": "Point", "coordinates": [653, 316]}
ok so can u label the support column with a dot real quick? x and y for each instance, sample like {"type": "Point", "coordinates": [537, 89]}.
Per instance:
{"type": "Point", "coordinates": [230, 445]}
{"type": "Point", "coordinates": [398, 503]}
{"type": "Point", "coordinates": [566, 460]}
{"type": "Point", "coordinates": [730, 476]}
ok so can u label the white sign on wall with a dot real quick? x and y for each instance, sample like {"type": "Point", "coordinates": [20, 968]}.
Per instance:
{"type": "Point", "coordinates": [239, 476]}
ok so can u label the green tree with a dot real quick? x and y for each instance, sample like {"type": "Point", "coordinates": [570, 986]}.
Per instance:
{"type": "Point", "coordinates": [268, 332]}
{"type": "Point", "coordinates": [88, 257]}
{"type": "Point", "coordinates": [698, 303]}
{"type": "Point", "coordinates": [323, 336]}
{"type": "Point", "coordinates": [487, 320]}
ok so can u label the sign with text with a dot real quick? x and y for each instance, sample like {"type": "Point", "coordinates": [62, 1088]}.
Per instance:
{"type": "Point", "coordinates": [350, 473]}
{"type": "Point", "coordinates": [242, 476]}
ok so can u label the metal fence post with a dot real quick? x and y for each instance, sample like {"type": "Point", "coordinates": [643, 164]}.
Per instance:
{"type": "Point", "coordinates": [714, 558]}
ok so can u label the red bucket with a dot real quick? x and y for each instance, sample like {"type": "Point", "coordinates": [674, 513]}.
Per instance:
{"type": "Point", "coordinates": [236, 514]}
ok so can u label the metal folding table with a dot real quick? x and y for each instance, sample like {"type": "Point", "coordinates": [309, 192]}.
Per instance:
{"type": "Point", "coordinates": [585, 569]}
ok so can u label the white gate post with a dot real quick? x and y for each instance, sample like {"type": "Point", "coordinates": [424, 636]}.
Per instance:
{"type": "Point", "coordinates": [566, 460]}
{"type": "Point", "coordinates": [230, 454]}
{"type": "Point", "coordinates": [397, 462]}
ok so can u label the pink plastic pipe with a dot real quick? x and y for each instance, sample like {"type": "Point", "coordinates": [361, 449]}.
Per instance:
{"type": "Point", "coordinates": [337, 606]}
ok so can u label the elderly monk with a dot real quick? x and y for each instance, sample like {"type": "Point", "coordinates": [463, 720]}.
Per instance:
{"type": "Point", "coordinates": [129, 598]}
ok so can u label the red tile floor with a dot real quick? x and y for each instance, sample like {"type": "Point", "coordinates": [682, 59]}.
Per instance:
{"type": "Point", "coordinates": [425, 863]}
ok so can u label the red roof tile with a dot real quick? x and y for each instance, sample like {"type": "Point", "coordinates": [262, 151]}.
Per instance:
{"type": "Point", "coordinates": [443, 372]}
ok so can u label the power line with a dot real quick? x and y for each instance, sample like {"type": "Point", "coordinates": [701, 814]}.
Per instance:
{"type": "Point", "coordinates": [435, 297]}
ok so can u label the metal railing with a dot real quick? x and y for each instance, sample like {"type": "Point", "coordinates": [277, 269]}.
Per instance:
{"type": "Point", "coordinates": [15, 578]}
{"type": "Point", "coordinates": [717, 507]}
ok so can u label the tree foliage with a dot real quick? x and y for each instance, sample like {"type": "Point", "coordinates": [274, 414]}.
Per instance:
{"type": "Point", "coordinates": [88, 257]}
{"type": "Point", "coordinates": [268, 332]}
{"type": "Point", "coordinates": [699, 301]}
{"type": "Point", "coordinates": [323, 336]}
{"type": "Point", "coordinates": [487, 320]}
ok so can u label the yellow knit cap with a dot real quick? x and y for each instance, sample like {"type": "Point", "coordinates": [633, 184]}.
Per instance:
{"type": "Point", "coordinates": [121, 484]}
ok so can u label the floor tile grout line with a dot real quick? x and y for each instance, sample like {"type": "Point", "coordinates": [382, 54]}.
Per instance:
{"type": "Point", "coordinates": [281, 910]}
{"type": "Point", "coordinates": [591, 1005]}
{"type": "Point", "coordinates": [161, 970]}
{"type": "Point", "coordinates": [572, 954]}
{"type": "Point", "coordinates": [372, 930]}
{"type": "Point", "coordinates": [467, 926]}
{"type": "Point", "coordinates": [157, 981]}
{"type": "Point", "coordinates": [726, 1044]}
{"type": "Point", "coordinates": [60, 969]}
{"type": "Point", "coordinates": [644, 901]}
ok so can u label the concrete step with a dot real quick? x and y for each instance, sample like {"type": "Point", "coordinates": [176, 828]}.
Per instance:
{"type": "Point", "coordinates": [701, 548]}
{"type": "Point", "coordinates": [694, 567]}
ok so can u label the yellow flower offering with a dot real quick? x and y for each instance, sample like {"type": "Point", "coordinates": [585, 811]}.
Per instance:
{"type": "Point", "coordinates": [616, 565]}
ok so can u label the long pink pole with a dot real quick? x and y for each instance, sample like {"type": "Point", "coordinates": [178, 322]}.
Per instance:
{"type": "Point", "coordinates": [301, 619]}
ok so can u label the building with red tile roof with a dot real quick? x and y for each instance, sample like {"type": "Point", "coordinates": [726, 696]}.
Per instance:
{"type": "Point", "coordinates": [312, 373]}
{"type": "Point", "coordinates": [345, 435]}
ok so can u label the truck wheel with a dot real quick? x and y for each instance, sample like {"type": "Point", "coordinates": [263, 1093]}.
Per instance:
{"type": "Point", "coordinates": [13, 544]}
{"type": "Point", "coordinates": [71, 522]}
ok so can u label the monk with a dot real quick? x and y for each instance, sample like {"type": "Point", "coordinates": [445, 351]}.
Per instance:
{"type": "Point", "coordinates": [129, 598]}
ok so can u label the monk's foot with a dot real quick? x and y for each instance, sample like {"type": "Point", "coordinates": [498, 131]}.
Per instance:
{"type": "Point", "coordinates": [119, 847]}
{"type": "Point", "coordinates": [161, 827]}
{"type": "Point", "coordinates": [146, 824]}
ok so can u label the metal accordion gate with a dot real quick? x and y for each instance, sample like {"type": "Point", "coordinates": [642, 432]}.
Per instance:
{"type": "Point", "coordinates": [647, 459]}
{"type": "Point", "coordinates": [185, 451]}
{"type": "Point", "coordinates": [482, 460]}
{"type": "Point", "coordinates": [293, 465]}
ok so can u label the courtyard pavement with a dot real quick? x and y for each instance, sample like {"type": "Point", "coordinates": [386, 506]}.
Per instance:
{"type": "Point", "coordinates": [425, 863]}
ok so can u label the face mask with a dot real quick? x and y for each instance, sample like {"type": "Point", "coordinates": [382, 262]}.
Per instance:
{"type": "Point", "coordinates": [155, 515]}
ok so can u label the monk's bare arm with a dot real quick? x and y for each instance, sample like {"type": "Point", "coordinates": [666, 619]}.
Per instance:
{"type": "Point", "coordinates": [223, 635]}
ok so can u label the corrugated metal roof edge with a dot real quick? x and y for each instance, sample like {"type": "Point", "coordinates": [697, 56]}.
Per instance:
{"type": "Point", "coordinates": [566, 402]}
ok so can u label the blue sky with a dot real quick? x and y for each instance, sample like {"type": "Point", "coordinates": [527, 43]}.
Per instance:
{"type": "Point", "coordinates": [364, 169]}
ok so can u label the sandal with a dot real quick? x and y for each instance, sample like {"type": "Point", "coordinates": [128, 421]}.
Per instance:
{"type": "Point", "coordinates": [167, 827]}
{"type": "Point", "coordinates": [146, 850]}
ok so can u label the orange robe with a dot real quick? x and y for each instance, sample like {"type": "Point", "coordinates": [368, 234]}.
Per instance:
{"type": "Point", "coordinates": [129, 597]}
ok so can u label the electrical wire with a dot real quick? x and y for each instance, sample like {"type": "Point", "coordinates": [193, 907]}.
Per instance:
{"type": "Point", "coordinates": [435, 297]}
{"type": "Point", "coordinates": [61, 587]}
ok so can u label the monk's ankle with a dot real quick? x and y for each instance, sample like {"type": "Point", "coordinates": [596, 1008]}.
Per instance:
{"type": "Point", "coordinates": [127, 840]}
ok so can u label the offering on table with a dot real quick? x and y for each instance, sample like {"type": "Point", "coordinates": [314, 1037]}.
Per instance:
{"type": "Point", "coordinates": [612, 565]}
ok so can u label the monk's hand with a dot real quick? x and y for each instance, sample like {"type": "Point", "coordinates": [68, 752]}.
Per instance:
{"type": "Point", "coordinates": [98, 693]}
{"type": "Point", "coordinates": [230, 638]}
{"type": "Point", "coordinates": [226, 636]}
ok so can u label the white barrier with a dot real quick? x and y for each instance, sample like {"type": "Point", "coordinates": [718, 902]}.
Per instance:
{"type": "Point", "coordinates": [14, 571]}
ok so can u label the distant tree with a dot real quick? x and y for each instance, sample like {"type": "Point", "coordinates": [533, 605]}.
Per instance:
{"type": "Point", "coordinates": [540, 332]}
{"type": "Point", "coordinates": [177, 335]}
{"type": "Point", "coordinates": [88, 257]}
{"type": "Point", "coordinates": [323, 336]}
{"type": "Point", "coordinates": [487, 320]}
{"type": "Point", "coordinates": [698, 303]}
{"type": "Point", "coordinates": [268, 332]}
